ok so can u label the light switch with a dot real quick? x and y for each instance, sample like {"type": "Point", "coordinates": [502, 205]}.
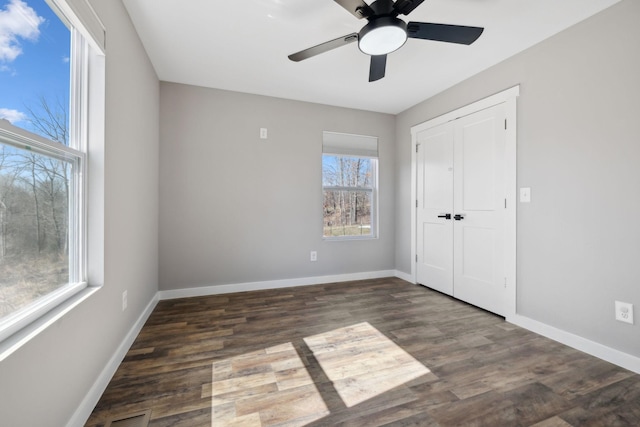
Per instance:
{"type": "Point", "coordinates": [525, 195]}
{"type": "Point", "coordinates": [263, 133]}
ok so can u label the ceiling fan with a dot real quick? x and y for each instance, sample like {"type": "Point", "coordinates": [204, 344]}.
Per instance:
{"type": "Point", "coordinates": [385, 32]}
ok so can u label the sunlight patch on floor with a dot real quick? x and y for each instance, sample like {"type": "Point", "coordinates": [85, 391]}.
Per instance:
{"type": "Point", "coordinates": [264, 388]}
{"type": "Point", "coordinates": [273, 387]}
{"type": "Point", "coordinates": [362, 362]}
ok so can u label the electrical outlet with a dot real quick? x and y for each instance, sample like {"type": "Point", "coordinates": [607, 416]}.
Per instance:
{"type": "Point", "coordinates": [624, 312]}
{"type": "Point", "coordinates": [124, 300]}
{"type": "Point", "coordinates": [525, 195]}
{"type": "Point", "coordinates": [313, 256]}
{"type": "Point", "coordinates": [263, 133]}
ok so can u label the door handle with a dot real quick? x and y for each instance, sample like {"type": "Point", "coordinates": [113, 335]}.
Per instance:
{"type": "Point", "coordinates": [458, 217]}
{"type": "Point", "coordinates": [445, 216]}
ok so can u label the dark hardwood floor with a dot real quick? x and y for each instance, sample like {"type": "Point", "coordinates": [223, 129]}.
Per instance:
{"type": "Point", "coordinates": [367, 353]}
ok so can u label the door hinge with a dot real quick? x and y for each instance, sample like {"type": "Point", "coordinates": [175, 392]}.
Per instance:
{"type": "Point", "coordinates": [505, 282]}
{"type": "Point", "coordinates": [505, 124]}
{"type": "Point", "coordinates": [418, 145]}
{"type": "Point", "coordinates": [416, 257]}
{"type": "Point", "coordinates": [416, 203]}
{"type": "Point", "coordinates": [505, 203]}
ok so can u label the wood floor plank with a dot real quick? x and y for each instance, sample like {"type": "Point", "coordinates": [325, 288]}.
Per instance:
{"type": "Point", "coordinates": [378, 352]}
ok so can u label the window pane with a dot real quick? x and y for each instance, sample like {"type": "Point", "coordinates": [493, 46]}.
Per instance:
{"type": "Point", "coordinates": [341, 171]}
{"type": "Point", "coordinates": [347, 213]}
{"type": "Point", "coordinates": [34, 68]}
{"type": "Point", "coordinates": [34, 226]}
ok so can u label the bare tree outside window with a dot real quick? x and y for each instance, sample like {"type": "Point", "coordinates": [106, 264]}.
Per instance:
{"type": "Point", "coordinates": [36, 178]}
{"type": "Point", "coordinates": [34, 214]}
{"type": "Point", "coordinates": [348, 184]}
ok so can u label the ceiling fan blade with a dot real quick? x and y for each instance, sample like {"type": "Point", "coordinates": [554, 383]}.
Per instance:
{"type": "Point", "coordinates": [357, 8]}
{"type": "Point", "coordinates": [443, 33]}
{"type": "Point", "coordinates": [377, 68]}
{"type": "Point", "coordinates": [323, 47]}
{"type": "Point", "coordinates": [405, 7]}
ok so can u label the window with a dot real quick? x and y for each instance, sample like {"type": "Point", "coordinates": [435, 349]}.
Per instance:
{"type": "Point", "coordinates": [349, 186]}
{"type": "Point", "coordinates": [44, 133]}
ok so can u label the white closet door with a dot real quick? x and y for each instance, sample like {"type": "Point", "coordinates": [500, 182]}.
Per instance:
{"type": "Point", "coordinates": [435, 202]}
{"type": "Point", "coordinates": [479, 209]}
{"type": "Point", "coordinates": [461, 209]}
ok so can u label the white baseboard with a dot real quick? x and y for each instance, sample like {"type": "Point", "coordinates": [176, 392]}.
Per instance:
{"type": "Point", "coordinates": [82, 414]}
{"type": "Point", "coordinates": [593, 348]}
{"type": "Point", "coordinates": [404, 276]}
{"type": "Point", "coordinates": [270, 284]}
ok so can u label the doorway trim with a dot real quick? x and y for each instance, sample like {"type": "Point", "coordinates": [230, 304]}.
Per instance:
{"type": "Point", "coordinates": [507, 97]}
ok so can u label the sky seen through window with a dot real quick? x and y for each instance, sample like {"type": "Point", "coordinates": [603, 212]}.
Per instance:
{"type": "Point", "coordinates": [34, 60]}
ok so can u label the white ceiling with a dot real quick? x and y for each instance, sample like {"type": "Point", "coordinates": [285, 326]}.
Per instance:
{"type": "Point", "coordinates": [243, 46]}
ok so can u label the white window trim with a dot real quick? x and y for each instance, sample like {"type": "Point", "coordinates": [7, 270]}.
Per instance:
{"type": "Point", "coordinates": [87, 93]}
{"type": "Point", "coordinates": [81, 16]}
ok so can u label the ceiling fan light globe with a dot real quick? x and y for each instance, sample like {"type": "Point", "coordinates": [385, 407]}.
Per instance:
{"type": "Point", "coordinates": [382, 36]}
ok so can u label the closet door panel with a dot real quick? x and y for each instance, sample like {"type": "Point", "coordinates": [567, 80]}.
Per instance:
{"type": "Point", "coordinates": [434, 203]}
{"type": "Point", "coordinates": [479, 209]}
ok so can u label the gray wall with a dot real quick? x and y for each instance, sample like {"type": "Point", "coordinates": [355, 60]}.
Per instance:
{"type": "Point", "coordinates": [578, 149]}
{"type": "Point", "coordinates": [43, 383]}
{"type": "Point", "coordinates": [235, 208]}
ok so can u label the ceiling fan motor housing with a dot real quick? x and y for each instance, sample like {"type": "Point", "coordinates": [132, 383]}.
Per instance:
{"type": "Point", "coordinates": [382, 35]}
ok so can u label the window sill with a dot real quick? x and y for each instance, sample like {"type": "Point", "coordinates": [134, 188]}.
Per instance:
{"type": "Point", "coordinates": [348, 238]}
{"type": "Point", "coordinates": [24, 335]}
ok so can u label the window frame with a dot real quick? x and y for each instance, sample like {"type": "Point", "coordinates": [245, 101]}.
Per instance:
{"type": "Point", "coordinates": [373, 189]}
{"type": "Point", "coordinates": [22, 139]}
{"type": "Point", "coordinates": [86, 114]}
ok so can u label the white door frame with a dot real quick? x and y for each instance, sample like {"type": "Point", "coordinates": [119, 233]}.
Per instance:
{"type": "Point", "coordinates": [508, 98]}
